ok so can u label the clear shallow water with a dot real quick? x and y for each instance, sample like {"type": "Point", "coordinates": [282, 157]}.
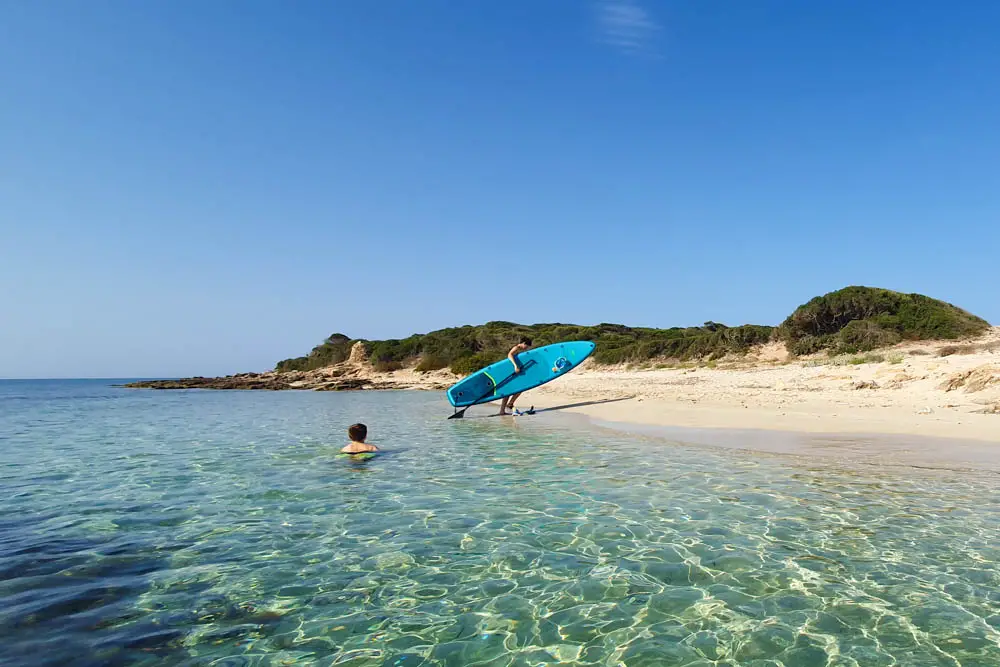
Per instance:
{"type": "Point", "coordinates": [219, 528]}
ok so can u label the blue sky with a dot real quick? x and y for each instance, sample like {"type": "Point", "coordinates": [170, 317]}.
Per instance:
{"type": "Point", "coordinates": [209, 187]}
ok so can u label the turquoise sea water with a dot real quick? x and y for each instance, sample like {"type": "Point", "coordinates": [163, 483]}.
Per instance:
{"type": "Point", "coordinates": [219, 528]}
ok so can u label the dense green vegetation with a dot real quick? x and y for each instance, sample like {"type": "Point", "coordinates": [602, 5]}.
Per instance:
{"type": "Point", "coordinates": [469, 348]}
{"type": "Point", "coordinates": [858, 319]}
{"type": "Point", "coordinates": [851, 320]}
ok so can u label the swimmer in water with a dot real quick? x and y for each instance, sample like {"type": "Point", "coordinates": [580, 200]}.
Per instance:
{"type": "Point", "coordinates": [358, 433]}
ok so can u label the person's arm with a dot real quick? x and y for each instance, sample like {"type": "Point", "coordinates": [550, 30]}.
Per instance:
{"type": "Point", "coordinates": [513, 360]}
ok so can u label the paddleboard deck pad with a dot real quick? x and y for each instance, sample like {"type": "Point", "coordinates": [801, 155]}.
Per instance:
{"type": "Point", "coordinates": [538, 366]}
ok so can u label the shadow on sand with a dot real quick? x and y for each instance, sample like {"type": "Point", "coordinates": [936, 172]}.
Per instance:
{"type": "Point", "coordinates": [584, 404]}
{"type": "Point", "coordinates": [554, 407]}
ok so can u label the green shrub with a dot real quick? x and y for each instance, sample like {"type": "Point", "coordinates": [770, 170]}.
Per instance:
{"type": "Point", "coordinates": [386, 366]}
{"type": "Point", "coordinates": [616, 344]}
{"type": "Point", "coordinates": [808, 345]}
{"type": "Point", "coordinates": [857, 360]}
{"type": "Point", "coordinates": [431, 362]}
{"type": "Point", "coordinates": [865, 335]}
{"type": "Point", "coordinates": [853, 320]}
{"type": "Point", "coordinates": [612, 355]}
{"type": "Point", "coordinates": [333, 350]}
{"type": "Point", "coordinates": [864, 318]}
{"type": "Point", "coordinates": [471, 364]}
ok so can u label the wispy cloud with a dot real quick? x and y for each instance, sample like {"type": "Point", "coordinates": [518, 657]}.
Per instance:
{"type": "Point", "coordinates": [625, 25]}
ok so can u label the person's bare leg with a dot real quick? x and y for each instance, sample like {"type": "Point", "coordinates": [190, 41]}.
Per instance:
{"type": "Point", "coordinates": [503, 405]}
{"type": "Point", "coordinates": [512, 399]}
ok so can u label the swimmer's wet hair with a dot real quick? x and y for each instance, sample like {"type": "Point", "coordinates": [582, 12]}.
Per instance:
{"type": "Point", "coordinates": [357, 432]}
{"type": "Point", "coordinates": [525, 340]}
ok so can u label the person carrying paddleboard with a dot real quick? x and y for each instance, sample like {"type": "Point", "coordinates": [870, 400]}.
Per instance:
{"type": "Point", "coordinates": [508, 401]}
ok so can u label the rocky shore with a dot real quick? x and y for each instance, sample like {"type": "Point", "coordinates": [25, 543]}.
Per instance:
{"type": "Point", "coordinates": [265, 381]}
{"type": "Point", "coordinates": [348, 376]}
{"type": "Point", "coordinates": [356, 373]}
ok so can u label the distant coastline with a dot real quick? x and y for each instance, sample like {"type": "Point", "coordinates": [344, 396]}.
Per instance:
{"type": "Point", "coordinates": [945, 390]}
{"type": "Point", "coordinates": [857, 359]}
{"type": "Point", "coordinates": [276, 381]}
{"type": "Point", "coordinates": [848, 321]}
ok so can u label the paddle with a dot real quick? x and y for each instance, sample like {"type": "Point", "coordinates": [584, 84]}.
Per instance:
{"type": "Point", "coordinates": [461, 413]}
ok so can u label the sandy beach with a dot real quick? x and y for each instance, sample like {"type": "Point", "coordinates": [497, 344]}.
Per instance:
{"type": "Point", "coordinates": [933, 389]}
{"type": "Point", "coordinates": [910, 389]}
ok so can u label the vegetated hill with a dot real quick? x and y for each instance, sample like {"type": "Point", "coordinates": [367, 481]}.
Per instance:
{"type": "Point", "coordinates": [857, 319]}
{"type": "Point", "coordinates": [848, 320]}
{"type": "Point", "coordinates": [469, 348]}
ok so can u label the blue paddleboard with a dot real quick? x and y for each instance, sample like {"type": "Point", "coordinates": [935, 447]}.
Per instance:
{"type": "Point", "coordinates": [538, 366]}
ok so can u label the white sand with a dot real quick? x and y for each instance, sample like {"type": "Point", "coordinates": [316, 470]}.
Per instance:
{"type": "Point", "coordinates": [914, 391]}
{"type": "Point", "coordinates": [910, 396]}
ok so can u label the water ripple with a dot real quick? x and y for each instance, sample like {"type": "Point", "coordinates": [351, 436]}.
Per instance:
{"type": "Point", "coordinates": [220, 528]}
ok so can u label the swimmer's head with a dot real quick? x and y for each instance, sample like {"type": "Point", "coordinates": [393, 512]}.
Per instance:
{"type": "Point", "coordinates": [357, 432]}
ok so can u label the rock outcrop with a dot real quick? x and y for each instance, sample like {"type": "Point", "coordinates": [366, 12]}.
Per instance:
{"type": "Point", "coordinates": [266, 381]}
{"type": "Point", "coordinates": [359, 354]}
{"type": "Point", "coordinates": [345, 376]}
{"type": "Point", "coordinates": [973, 380]}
